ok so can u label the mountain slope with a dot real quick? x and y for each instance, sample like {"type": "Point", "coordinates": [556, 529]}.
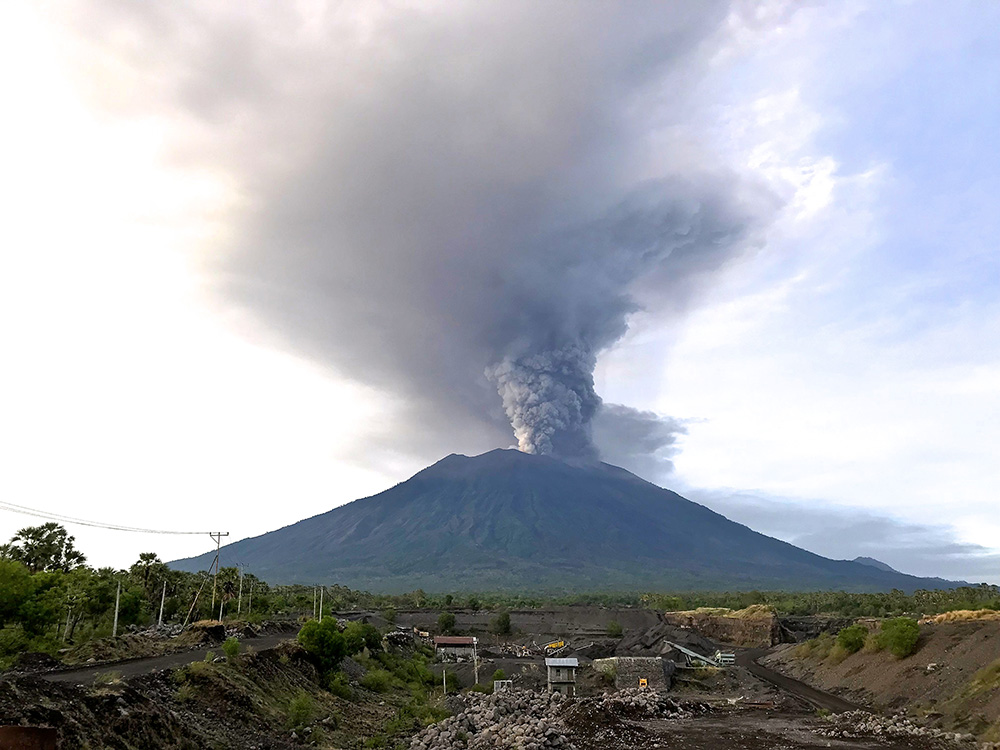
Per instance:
{"type": "Point", "coordinates": [509, 520]}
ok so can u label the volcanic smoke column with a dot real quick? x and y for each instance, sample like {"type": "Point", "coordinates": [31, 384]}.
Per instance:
{"type": "Point", "coordinates": [550, 400]}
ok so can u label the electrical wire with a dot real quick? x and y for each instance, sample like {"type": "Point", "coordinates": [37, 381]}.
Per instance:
{"type": "Point", "coordinates": [14, 508]}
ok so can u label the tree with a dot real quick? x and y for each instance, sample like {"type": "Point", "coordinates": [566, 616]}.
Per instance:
{"type": "Point", "coordinates": [474, 604]}
{"type": "Point", "coordinates": [44, 548]}
{"type": "Point", "coordinates": [501, 624]}
{"type": "Point", "coordinates": [361, 635]}
{"type": "Point", "coordinates": [149, 572]}
{"type": "Point", "coordinates": [15, 589]}
{"type": "Point", "coordinates": [614, 629]}
{"type": "Point", "coordinates": [446, 622]}
{"type": "Point", "coordinates": [324, 641]}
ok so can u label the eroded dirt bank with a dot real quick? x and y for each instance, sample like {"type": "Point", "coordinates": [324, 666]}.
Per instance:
{"type": "Point", "coordinates": [952, 680]}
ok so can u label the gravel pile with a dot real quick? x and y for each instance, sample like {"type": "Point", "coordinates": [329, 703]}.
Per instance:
{"type": "Point", "coordinates": [537, 721]}
{"type": "Point", "coordinates": [853, 724]}
{"type": "Point", "coordinates": [508, 719]}
{"type": "Point", "coordinates": [637, 704]}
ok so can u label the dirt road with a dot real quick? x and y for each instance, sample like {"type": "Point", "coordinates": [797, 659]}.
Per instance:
{"type": "Point", "coordinates": [85, 675]}
{"type": "Point", "coordinates": [812, 696]}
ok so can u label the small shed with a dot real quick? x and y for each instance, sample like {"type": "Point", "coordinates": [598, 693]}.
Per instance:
{"type": "Point", "coordinates": [454, 648]}
{"type": "Point", "coordinates": [562, 675]}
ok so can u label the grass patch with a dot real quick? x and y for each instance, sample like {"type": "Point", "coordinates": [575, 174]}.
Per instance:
{"type": "Point", "coordinates": [985, 680]}
{"type": "Point", "coordinates": [837, 654]}
{"type": "Point", "coordinates": [963, 615]}
{"type": "Point", "coordinates": [110, 677]}
{"type": "Point", "coordinates": [301, 709]}
{"type": "Point", "coordinates": [816, 648]}
{"type": "Point", "coordinates": [703, 673]}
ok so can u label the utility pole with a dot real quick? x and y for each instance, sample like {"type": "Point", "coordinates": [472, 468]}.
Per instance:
{"type": "Point", "coordinates": [321, 590]}
{"type": "Point", "coordinates": [314, 602]}
{"type": "Point", "coordinates": [250, 603]}
{"type": "Point", "coordinates": [239, 600]}
{"type": "Point", "coordinates": [217, 536]}
{"type": "Point", "coordinates": [222, 603]}
{"type": "Point", "coordinates": [118, 598]}
{"type": "Point", "coordinates": [163, 598]}
{"type": "Point", "coordinates": [444, 680]}
{"type": "Point", "coordinates": [475, 658]}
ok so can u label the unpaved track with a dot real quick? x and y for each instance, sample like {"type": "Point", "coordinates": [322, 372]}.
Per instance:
{"type": "Point", "coordinates": [812, 696]}
{"type": "Point", "coordinates": [135, 667]}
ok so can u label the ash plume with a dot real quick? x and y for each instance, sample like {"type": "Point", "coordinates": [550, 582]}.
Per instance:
{"type": "Point", "coordinates": [550, 400]}
{"type": "Point", "coordinates": [454, 205]}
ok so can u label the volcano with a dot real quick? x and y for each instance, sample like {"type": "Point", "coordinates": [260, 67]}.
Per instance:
{"type": "Point", "coordinates": [507, 520]}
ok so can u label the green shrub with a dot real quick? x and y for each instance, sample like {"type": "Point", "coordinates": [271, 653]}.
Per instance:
{"type": "Point", "coordinates": [377, 680]}
{"type": "Point", "coordinates": [209, 656]}
{"type": "Point", "coordinates": [184, 693]}
{"type": "Point", "coordinates": [446, 622]}
{"type": "Point", "coordinates": [337, 683]}
{"type": "Point", "coordinates": [615, 629]}
{"type": "Point", "coordinates": [900, 635]}
{"type": "Point", "coordinates": [452, 682]}
{"type": "Point", "coordinates": [852, 639]}
{"type": "Point", "coordinates": [231, 648]}
{"type": "Point", "coordinates": [499, 675]}
{"type": "Point", "coordinates": [300, 710]}
{"type": "Point", "coordinates": [389, 615]}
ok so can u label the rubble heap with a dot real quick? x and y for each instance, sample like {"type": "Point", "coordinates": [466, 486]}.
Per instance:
{"type": "Point", "coordinates": [854, 724]}
{"type": "Point", "coordinates": [535, 721]}
{"type": "Point", "coordinates": [637, 704]}
{"type": "Point", "coordinates": [510, 718]}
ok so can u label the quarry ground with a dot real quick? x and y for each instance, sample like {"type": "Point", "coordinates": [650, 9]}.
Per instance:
{"type": "Point", "coordinates": [156, 701]}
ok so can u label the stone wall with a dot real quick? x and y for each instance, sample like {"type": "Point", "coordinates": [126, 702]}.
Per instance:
{"type": "Point", "coordinates": [629, 669]}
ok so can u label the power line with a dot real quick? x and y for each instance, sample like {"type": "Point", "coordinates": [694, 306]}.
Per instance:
{"type": "Point", "coordinates": [14, 508]}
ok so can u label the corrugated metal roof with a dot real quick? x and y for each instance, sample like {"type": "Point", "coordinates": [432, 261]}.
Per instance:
{"type": "Point", "coordinates": [452, 640]}
{"type": "Point", "coordinates": [570, 661]}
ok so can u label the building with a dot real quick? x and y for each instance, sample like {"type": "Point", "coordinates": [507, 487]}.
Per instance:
{"type": "Point", "coordinates": [562, 675]}
{"type": "Point", "coordinates": [454, 648]}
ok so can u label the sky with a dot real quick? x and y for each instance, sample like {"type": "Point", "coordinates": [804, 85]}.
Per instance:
{"type": "Point", "coordinates": [259, 260]}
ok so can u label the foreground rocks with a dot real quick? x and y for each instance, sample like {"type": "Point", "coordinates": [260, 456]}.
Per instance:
{"type": "Point", "coordinates": [854, 724]}
{"type": "Point", "coordinates": [510, 718]}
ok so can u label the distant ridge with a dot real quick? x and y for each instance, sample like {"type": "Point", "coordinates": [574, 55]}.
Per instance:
{"type": "Point", "coordinates": [507, 520]}
{"type": "Point", "coordinates": [871, 561]}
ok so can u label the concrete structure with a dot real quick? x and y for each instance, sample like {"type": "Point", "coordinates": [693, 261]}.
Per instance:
{"type": "Point", "coordinates": [562, 675]}
{"type": "Point", "coordinates": [631, 671]}
{"type": "Point", "coordinates": [454, 648]}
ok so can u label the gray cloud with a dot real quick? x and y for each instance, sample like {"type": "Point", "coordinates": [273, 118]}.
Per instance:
{"type": "Point", "coordinates": [454, 205]}
{"type": "Point", "coordinates": [641, 441]}
{"type": "Point", "coordinates": [846, 533]}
